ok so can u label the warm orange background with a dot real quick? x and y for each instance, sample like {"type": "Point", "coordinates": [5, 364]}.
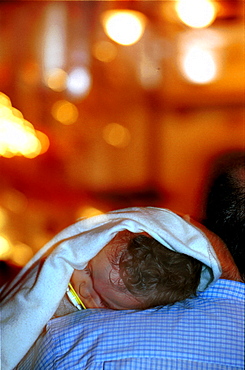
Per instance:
{"type": "Point", "coordinates": [177, 129]}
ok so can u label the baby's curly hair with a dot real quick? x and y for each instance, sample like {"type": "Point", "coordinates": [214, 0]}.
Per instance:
{"type": "Point", "coordinates": [155, 274]}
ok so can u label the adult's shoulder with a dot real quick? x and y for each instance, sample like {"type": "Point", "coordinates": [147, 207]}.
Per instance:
{"type": "Point", "coordinates": [207, 329]}
{"type": "Point", "coordinates": [225, 289]}
{"type": "Point", "coordinates": [223, 293]}
{"type": "Point", "coordinates": [181, 331]}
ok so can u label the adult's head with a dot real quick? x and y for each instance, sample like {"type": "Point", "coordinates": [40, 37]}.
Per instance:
{"type": "Point", "coordinates": [225, 209]}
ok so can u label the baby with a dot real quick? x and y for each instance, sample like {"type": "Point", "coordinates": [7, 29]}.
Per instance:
{"type": "Point", "coordinates": [134, 271]}
{"type": "Point", "coordinates": [112, 262]}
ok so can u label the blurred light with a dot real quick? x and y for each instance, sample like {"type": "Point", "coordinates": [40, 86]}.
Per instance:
{"type": "Point", "coordinates": [5, 248]}
{"type": "Point", "coordinates": [5, 102]}
{"type": "Point", "coordinates": [196, 13]}
{"type": "Point", "coordinates": [88, 211]}
{"type": "Point", "coordinates": [44, 140]}
{"type": "Point", "coordinates": [21, 254]}
{"type": "Point", "coordinates": [55, 79]}
{"type": "Point", "coordinates": [17, 135]}
{"type": "Point", "coordinates": [65, 112]}
{"type": "Point", "coordinates": [206, 38]}
{"type": "Point", "coordinates": [79, 82]}
{"type": "Point", "coordinates": [198, 65]}
{"type": "Point", "coordinates": [116, 135]}
{"type": "Point", "coordinates": [125, 27]}
{"type": "Point", "coordinates": [14, 201]}
{"type": "Point", "coordinates": [55, 37]}
{"type": "Point", "coordinates": [104, 51]}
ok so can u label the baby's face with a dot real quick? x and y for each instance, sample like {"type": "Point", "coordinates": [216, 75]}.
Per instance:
{"type": "Point", "coordinates": [97, 284]}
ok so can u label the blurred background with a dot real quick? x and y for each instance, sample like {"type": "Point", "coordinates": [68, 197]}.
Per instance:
{"type": "Point", "coordinates": [109, 104]}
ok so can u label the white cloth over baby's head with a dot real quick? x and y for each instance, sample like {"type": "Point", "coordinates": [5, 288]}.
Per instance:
{"type": "Point", "coordinates": [33, 297]}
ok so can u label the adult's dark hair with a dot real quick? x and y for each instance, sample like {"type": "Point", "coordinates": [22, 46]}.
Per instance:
{"type": "Point", "coordinates": [157, 275]}
{"type": "Point", "coordinates": [225, 209]}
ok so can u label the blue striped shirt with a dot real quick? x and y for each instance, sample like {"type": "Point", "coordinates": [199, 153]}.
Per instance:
{"type": "Point", "coordinates": [206, 332]}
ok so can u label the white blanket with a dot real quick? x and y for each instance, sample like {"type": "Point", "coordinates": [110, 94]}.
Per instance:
{"type": "Point", "coordinates": [33, 297]}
